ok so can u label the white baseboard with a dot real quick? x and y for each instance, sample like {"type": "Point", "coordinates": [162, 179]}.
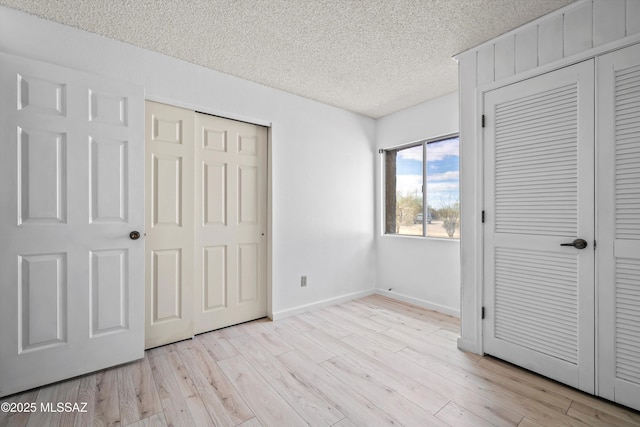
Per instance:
{"type": "Point", "coordinates": [324, 303]}
{"type": "Point", "coordinates": [420, 302]}
{"type": "Point", "coordinates": [469, 346]}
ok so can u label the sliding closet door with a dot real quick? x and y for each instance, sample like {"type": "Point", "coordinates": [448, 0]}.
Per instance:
{"type": "Point", "coordinates": [169, 224]}
{"type": "Point", "coordinates": [206, 223]}
{"type": "Point", "coordinates": [619, 226]}
{"type": "Point", "coordinates": [231, 222]}
{"type": "Point", "coordinates": [539, 197]}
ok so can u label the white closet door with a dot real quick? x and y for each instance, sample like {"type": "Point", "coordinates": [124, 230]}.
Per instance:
{"type": "Point", "coordinates": [206, 223]}
{"type": "Point", "coordinates": [169, 224]}
{"type": "Point", "coordinates": [231, 222]}
{"type": "Point", "coordinates": [539, 194]}
{"type": "Point", "coordinates": [619, 226]}
{"type": "Point", "coordinates": [71, 287]}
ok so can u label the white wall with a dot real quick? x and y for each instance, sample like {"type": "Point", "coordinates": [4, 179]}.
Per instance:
{"type": "Point", "coordinates": [424, 271]}
{"type": "Point", "coordinates": [322, 157]}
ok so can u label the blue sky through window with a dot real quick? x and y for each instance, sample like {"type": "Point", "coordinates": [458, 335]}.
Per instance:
{"type": "Point", "coordinates": [443, 170]}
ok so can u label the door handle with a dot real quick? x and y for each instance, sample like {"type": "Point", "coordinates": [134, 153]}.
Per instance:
{"type": "Point", "coordinates": [134, 235]}
{"type": "Point", "coordinates": [578, 244]}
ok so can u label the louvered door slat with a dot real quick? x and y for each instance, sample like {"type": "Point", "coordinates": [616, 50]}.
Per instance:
{"type": "Point", "coordinates": [628, 320]}
{"type": "Point", "coordinates": [528, 284]}
{"type": "Point", "coordinates": [627, 154]}
{"type": "Point", "coordinates": [516, 106]}
{"type": "Point", "coordinates": [536, 161]}
{"type": "Point", "coordinates": [550, 137]}
{"type": "Point", "coordinates": [540, 145]}
{"type": "Point", "coordinates": [555, 117]}
{"type": "Point", "coordinates": [552, 338]}
{"type": "Point", "coordinates": [521, 164]}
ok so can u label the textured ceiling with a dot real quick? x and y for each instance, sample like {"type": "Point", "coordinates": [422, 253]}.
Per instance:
{"type": "Point", "coordinates": [373, 57]}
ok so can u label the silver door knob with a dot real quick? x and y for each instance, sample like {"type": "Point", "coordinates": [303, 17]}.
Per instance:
{"type": "Point", "coordinates": [134, 235]}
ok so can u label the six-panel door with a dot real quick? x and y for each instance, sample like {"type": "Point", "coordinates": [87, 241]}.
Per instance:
{"type": "Point", "coordinates": [169, 224]}
{"type": "Point", "coordinates": [71, 190]}
{"type": "Point", "coordinates": [231, 222]}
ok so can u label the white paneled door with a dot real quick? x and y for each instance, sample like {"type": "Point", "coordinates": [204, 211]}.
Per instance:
{"type": "Point", "coordinates": [539, 201]}
{"type": "Point", "coordinates": [231, 222]}
{"type": "Point", "coordinates": [206, 223]}
{"type": "Point", "coordinates": [71, 281]}
{"type": "Point", "coordinates": [169, 224]}
{"type": "Point", "coordinates": [619, 226]}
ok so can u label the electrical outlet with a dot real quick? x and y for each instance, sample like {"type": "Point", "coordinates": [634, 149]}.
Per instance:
{"type": "Point", "coordinates": [303, 281]}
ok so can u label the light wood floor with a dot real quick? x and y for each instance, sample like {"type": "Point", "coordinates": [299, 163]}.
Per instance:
{"type": "Point", "coordinates": [369, 362]}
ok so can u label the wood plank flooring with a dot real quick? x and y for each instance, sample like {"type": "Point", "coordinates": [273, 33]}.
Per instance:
{"type": "Point", "coordinates": [368, 362]}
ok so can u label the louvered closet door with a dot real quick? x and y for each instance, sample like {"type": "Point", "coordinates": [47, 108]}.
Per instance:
{"type": "Point", "coordinates": [539, 193]}
{"type": "Point", "coordinates": [619, 226]}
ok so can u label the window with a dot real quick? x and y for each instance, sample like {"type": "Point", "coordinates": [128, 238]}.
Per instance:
{"type": "Point", "coordinates": [424, 171]}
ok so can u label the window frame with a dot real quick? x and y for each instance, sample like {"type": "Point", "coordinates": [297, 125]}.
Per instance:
{"type": "Point", "coordinates": [423, 143]}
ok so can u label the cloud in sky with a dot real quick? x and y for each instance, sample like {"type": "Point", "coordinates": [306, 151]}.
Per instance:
{"type": "Point", "coordinates": [443, 187]}
{"type": "Point", "coordinates": [413, 153]}
{"type": "Point", "coordinates": [435, 151]}
{"type": "Point", "coordinates": [446, 176]}
{"type": "Point", "coordinates": [441, 149]}
{"type": "Point", "coordinates": [409, 184]}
